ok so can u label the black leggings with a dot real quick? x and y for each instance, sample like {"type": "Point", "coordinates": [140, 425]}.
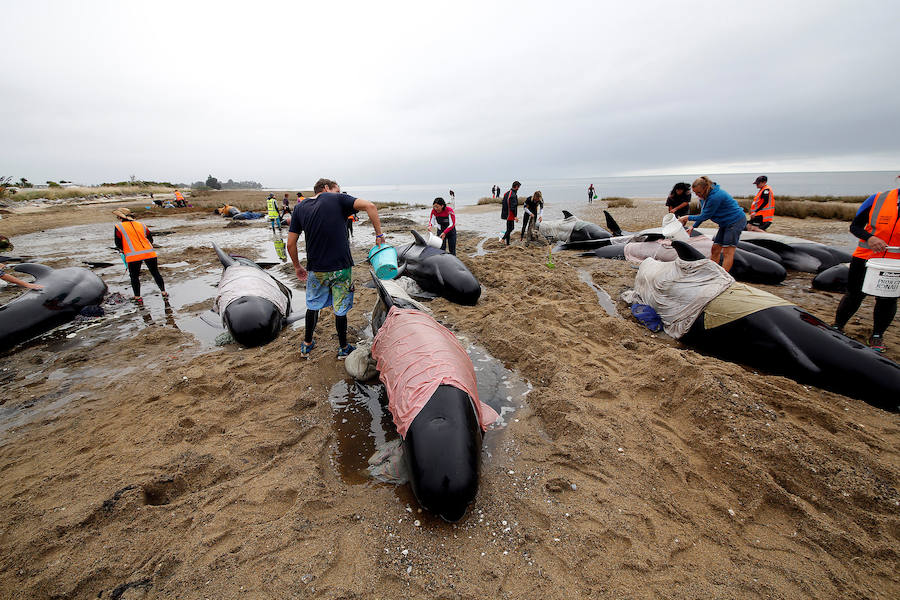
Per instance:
{"type": "Point", "coordinates": [312, 319]}
{"type": "Point", "coordinates": [510, 225]}
{"type": "Point", "coordinates": [134, 272]}
{"type": "Point", "coordinates": [525, 218]}
{"type": "Point", "coordinates": [885, 308]}
{"type": "Point", "coordinates": [449, 243]}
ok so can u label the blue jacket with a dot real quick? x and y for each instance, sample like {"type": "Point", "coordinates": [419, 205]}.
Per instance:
{"type": "Point", "coordinates": [719, 207]}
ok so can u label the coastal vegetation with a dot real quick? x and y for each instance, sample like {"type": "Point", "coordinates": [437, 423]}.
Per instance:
{"type": "Point", "coordinates": [841, 208]}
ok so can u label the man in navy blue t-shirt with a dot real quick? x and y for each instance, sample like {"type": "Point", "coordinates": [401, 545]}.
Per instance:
{"type": "Point", "coordinates": [328, 273]}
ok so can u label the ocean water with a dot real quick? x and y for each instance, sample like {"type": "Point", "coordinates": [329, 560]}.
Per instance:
{"type": "Point", "coordinates": [572, 192]}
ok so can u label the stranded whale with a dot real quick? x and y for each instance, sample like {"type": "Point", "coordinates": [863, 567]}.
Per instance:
{"type": "Point", "coordinates": [438, 272]}
{"type": "Point", "coordinates": [433, 398]}
{"type": "Point", "coordinates": [66, 293]}
{"type": "Point", "coordinates": [253, 305]}
{"type": "Point", "coordinates": [743, 324]}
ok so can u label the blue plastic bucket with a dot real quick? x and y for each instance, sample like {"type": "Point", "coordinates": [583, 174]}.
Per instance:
{"type": "Point", "coordinates": [384, 260]}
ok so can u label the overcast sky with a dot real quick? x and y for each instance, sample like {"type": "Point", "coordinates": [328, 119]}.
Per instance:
{"type": "Point", "coordinates": [425, 92]}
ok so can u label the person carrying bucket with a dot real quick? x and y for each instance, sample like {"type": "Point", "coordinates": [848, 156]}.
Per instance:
{"type": "Point", "coordinates": [445, 218]}
{"type": "Point", "coordinates": [328, 273]}
{"type": "Point", "coordinates": [877, 225]}
{"type": "Point", "coordinates": [272, 212]}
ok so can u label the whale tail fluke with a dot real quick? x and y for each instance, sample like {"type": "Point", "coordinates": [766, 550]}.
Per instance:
{"type": "Point", "coordinates": [686, 251]}
{"type": "Point", "coordinates": [226, 260]}
{"type": "Point", "coordinates": [611, 224]}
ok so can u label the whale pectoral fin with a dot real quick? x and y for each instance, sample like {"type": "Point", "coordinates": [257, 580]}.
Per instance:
{"type": "Point", "coordinates": [420, 241]}
{"type": "Point", "coordinates": [437, 275]}
{"type": "Point", "coordinates": [400, 270]}
{"type": "Point", "coordinates": [795, 352]}
{"type": "Point", "coordinates": [293, 319]}
{"type": "Point", "coordinates": [35, 270]}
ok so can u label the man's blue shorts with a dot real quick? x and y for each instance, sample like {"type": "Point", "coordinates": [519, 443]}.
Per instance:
{"type": "Point", "coordinates": [730, 235]}
{"type": "Point", "coordinates": [333, 288]}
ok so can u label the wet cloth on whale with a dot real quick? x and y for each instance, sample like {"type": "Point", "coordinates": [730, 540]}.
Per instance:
{"type": "Point", "coordinates": [414, 355]}
{"type": "Point", "coordinates": [243, 280]}
{"type": "Point", "coordinates": [678, 291]}
{"type": "Point", "coordinates": [738, 301]}
{"type": "Point", "coordinates": [662, 250]}
{"type": "Point", "coordinates": [561, 231]}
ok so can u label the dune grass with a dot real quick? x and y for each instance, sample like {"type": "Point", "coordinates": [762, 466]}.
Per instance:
{"type": "Point", "coordinates": [619, 202]}
{"type": "Point", "coordinates": [840, 210]}
{"type": "Point", "coordinates": [61, 193]}
{"type": "Point", "coordinates": [489, 200]}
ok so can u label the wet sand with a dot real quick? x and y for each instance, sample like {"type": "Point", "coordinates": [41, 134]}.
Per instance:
{"type": "Point", "coordinates": [154, 465]}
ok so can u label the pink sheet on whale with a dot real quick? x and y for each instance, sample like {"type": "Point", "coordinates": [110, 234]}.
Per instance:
{"type": "Point", "coordinates": [415, 354]}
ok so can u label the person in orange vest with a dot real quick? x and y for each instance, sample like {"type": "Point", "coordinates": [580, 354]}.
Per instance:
{"type": "Point", "coordinates": [179, 199]}
{"type": "Point", "coordinates": [877, 225]}
{"type": "Point", "coordinates": [762, 209]}
{"type": "Point", "coordinates": [133, 240]}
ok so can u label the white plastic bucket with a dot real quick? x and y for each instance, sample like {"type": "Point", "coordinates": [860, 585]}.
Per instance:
{"type": "Point", "coordinates": [882, 277]}
{"type": "Point", "coordinates": [434, 241]}
{"type": "Point", "coordinates": [673, 229]}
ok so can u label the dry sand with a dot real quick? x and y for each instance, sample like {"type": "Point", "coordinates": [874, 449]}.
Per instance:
{"type": "Point", "coordinates": [639, 469]}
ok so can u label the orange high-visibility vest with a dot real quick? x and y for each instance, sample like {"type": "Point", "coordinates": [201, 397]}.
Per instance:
{"type": "Point", "coordinates": [178, 196]}
{"type": "Point", "coordinates": [883, 223]}
{"type": "Point", "coordinates": [135, 244]}
{"type": "Point", "coordinates": [768, 213]}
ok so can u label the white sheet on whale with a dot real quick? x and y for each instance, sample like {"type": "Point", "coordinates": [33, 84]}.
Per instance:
{"type": "Point", "coordinates": [678, 290]}
{"type": "Point", "coordinates": [561, 231]}
{"type": "Point", "coordinates": [242, 280]}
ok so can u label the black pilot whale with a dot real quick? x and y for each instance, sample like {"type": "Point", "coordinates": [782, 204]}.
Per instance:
{"type": "Point", "coordinates": [66, 293]}
{"type": "Point", "coordinates": [433, 398]}
{"type": "Point", "coordinates": [438, 272]}
{"type": "Point", "coordinates": [789, 341]}
{"type": "Point", "coordinates": [254, 305]}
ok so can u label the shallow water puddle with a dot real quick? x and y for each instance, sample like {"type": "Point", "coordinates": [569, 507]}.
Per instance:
{"type": "Point", "coordinates": [605, 301]}
{"type": "Point", "coordinates": [479, 249]}
{"type": "Point", "coordinates": [363, 424]}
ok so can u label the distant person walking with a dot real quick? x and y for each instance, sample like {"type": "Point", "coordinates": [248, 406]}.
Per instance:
{"type": "Point", "coordinates": [497, 187]}
{"type": "Point", "coordinates": [722, 209]}
{"type": "Point", "coordinates": [493, 191]}
{"type": "Point", "coordinates": [134, 241]}
{"type": "Point", "coordinates": [508, 209]}
{"type": "Point", "coordinates": [452, 199]}
{"type": "Point", "coordinates": [877, 225]}
{"type": "Point", "coordinates": [534, 213]}
{"type": "Point", "coordinates": [445, 218]}
{"type": "Point", "coordinates": [679, 201]}
{"type": "Point", "coordinates": [272, 212]}
{"type": "Point", "coordinates": [762, 209]}
{"type": "Point", "coordinates": [328, 274]}
{"type": "Point", "coordinates": [591, 194]}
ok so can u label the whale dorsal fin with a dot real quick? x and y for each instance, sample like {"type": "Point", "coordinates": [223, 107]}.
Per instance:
{"type": "Point", "coordinates": [567, 214]}
{"type": "Point", "coordinates": [686, 251]}
{"type": "Point", "coordinates": [420, 241]}
{"type": "Point", "coordinates": [226, 260]}
{"type": "Point", "coordinates": [612, 225]}
{"type": "Point", "coordinates": [35, 270]}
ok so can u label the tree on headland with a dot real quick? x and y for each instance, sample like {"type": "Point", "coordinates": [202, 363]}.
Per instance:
{"type": "Point", "coordinates": [53, 184]}
{"type": "Point", "coordinates": [24, 183]}
{"type": "Point", "coordinates": [213, 183]}
{"type": "Point", "coordinates": [4, 183]}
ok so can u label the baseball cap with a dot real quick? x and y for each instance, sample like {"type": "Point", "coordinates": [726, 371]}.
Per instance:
{"type": "Point", "coordinates": [761, 179]}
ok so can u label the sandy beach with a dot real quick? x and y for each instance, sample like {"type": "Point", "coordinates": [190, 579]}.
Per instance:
{"type": "Point", "coordinates": [147, 465]}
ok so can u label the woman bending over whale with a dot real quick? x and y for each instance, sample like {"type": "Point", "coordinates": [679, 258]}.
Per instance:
{"type": "Point", "coordinates": [133, 240]}
{"type": "Point", "coordinates": [724, 211]}
{"type": "Point", "coordinates": [445, 217]}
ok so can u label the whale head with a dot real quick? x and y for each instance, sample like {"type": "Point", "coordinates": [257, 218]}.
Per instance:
{"type": "Point", "coordinates": [252, 321]}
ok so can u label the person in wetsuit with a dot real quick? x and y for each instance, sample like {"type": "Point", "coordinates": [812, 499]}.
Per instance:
{"type": "Point", "coordinates": [877, 225]}
{"type": "Point", "coordinates": [445, 217]}
{"type": "Point", "coordinates": [508, 210]}
{"type": "Point", "coordinates": [534, 211]}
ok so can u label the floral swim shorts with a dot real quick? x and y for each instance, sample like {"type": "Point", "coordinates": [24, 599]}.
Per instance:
{"type": "Point", "coordinates": [332, 288]}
